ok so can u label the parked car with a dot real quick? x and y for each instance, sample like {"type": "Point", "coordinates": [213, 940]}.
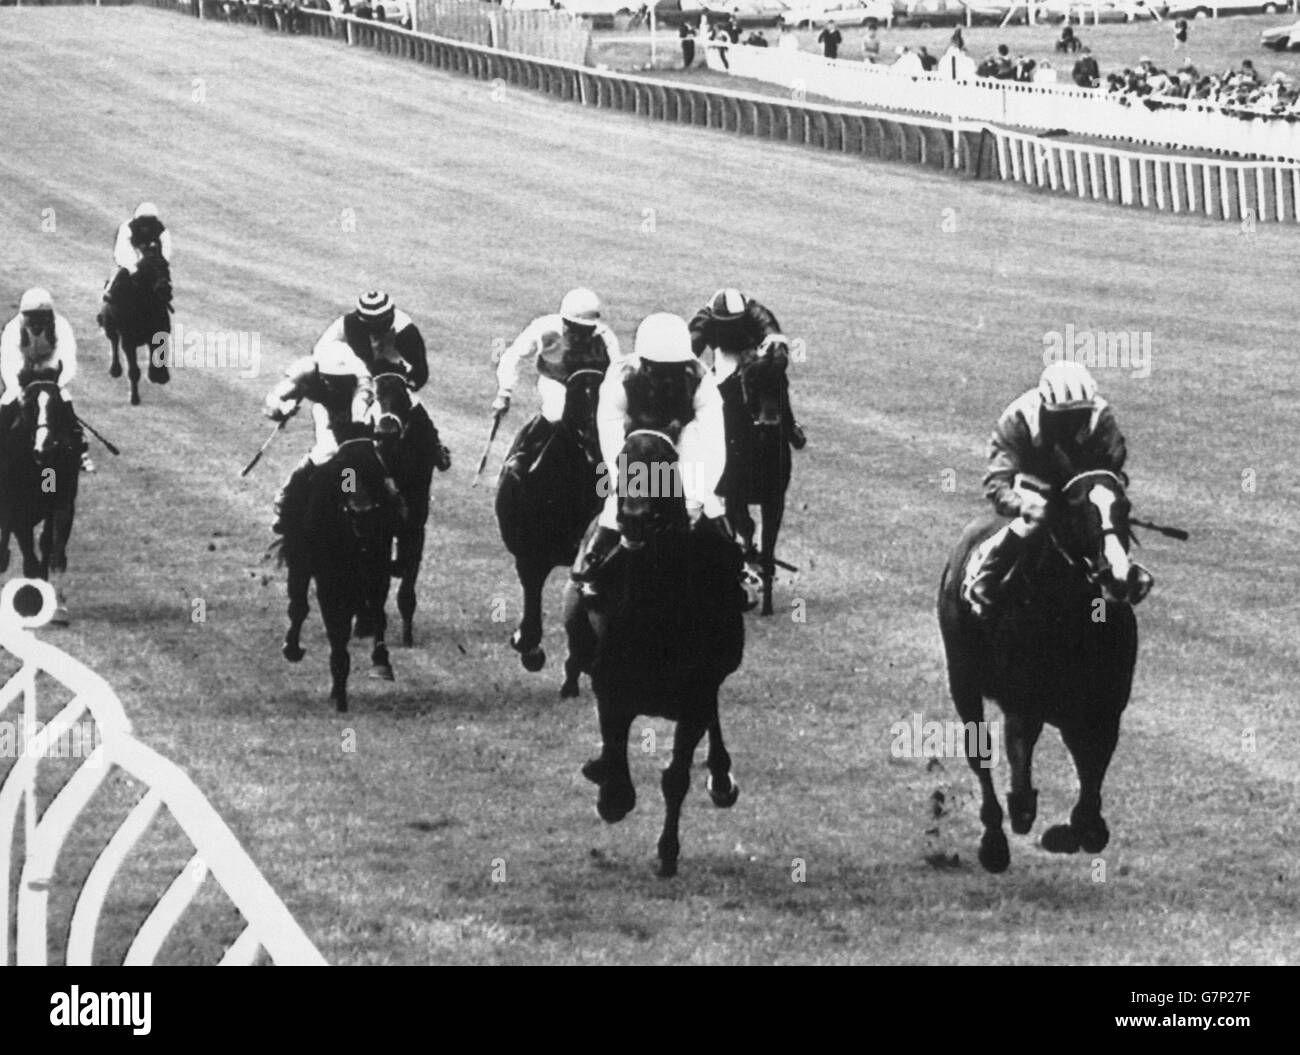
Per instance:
{"type": "Point", "coordinates": [1220, 8]}
{"type": "Point", "coordinates": [396, 12]}
{"type": "Point", "coordinates": [1282, 38]}
{"type": "Point", "coordinates": [749, 13]}
{"type": "Point", "coordinates": [842, 13]}
{"type": "Point", "coordinates": [928, 13]}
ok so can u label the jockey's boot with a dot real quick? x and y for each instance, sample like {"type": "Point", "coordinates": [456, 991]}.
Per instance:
{"type": "Point", "coordinates": [8, 415]}
{"type": "Point", "coordinates": [111, 286]}
{"type": "Point", "coordinates": [792, 428]}
{"type": "Point", "coordinates": [291, 501]}
{"type": "Point", "coordinates": [540, 431]}
{"type": "Point", "coordinates": [428, 441]}
{"type": "Point", "coordinates": [83, 445]}
{"type": "Point", "coordinates": [604, 545]}
{"type": "Point", "coordinates": [986, 589]}
{"type": "Point", "coordinates": [748, 583]}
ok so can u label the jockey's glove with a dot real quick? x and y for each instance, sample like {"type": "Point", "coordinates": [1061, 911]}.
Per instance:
{"type": "Point", "coordinates": [502, 402]}
{"type": "Point", "coordinates": [1033, 506]}
{"type": "Point", "coordinates": [283, 410]}
{"type": "Point", "coordinates": [772, 342]}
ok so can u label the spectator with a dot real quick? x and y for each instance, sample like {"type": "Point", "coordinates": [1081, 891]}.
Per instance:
{"type": "Point", "coordinates": [1069, 43]}
{"type": "Point", "coordinates": [928, 61]}
{"type": "Point", "coordinates": [1086, 71]}
{"type": "Point", "coordinates": [1180, 34]}
{"type": "Point", "coordinates": [1045, 74]}
{"type": "Point", "coordinates": [362, 9]}
{"type": "Point", "coordinates": [687, 34]}
{"type": "Point", "coordinates": [733, 25]}
{"type": "Point", "coordinates": [956, 63]}
{"type": "Point", "coordinates": [756, 39]}
{"type": "Point", "coordinates": [1024, 69]}
{"type": "Point", "coordinates": [871, 42]}
{"type": "Point", "coordinates": [908, 62]}
{"type": "Point", "coordinates": [829, 38]}
{"type": "Point", "coordinates": [787, 41]}
{"type": "Point", "coordinates": [1005, 69]}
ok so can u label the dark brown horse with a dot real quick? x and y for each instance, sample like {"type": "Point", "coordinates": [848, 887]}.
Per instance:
{"type": "Point", "coordinates": [1059, 648]}
{"type": "Point", "coordinates": [667, 630]}
{"type": "Point", "coordinates": [40, 470]}
{"type": "Point", "coordinates": [345, 545]}
{"type": "Point", "coordinates": [137, 314]}
{"type": "Point", "coordinates": [755, 402]}
{"type": "Point", "coordinates": [544, 508]}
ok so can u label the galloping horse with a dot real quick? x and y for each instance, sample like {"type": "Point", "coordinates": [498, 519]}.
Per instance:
{"type": "Point", "coordinates": [345, 545]}
{"type": "Point", "coordinates": [136, 314]}
{"type": "Point", "coordinates": [755, 400]}
{"type": "Point", "coordinates": [1059, 649]}
{"type": "Point", "coordinates": [412, 468]}
{"type": "Point", "coordinates": [666, 632]}
{"type": "Point", "coordinates": [543, 510]}
{"type": "Point", "coordinates": [40, 470]}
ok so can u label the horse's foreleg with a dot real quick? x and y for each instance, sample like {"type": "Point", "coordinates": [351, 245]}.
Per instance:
{"type": "Point", "coordinates": [723, 789]}
{"type": "Point", "coordinates": [527, 637]}
{"type": "Point", "coordinates": [133, 373]}
{"type": "Point", "coordinates": [380, 665]}
{"type": "Point", "coordinates": [299, 579]}
{"type": "Point", "coordinates": [1091, 746]}
{"type": "Point", "coordinates": [410, 553]}
{"type": "Point", "coordinates": [609, 771]}
{"type": "Point", "coordinates": [338, 626]}
{"type": "Point", "coordinates": [676, 781]}
{"type": "Point", "coordinates": [32, 568]}
{"type": "Point", "coordinates": [581, 640]}
{"type": "Point", "coordinates": [1022, 799]}
{"type": "Point", "coordinates": [773, 514]}
{"type": "Point", "coordinates": [995, 853]}
{"type": "Point", "coordinates": [115, 365]}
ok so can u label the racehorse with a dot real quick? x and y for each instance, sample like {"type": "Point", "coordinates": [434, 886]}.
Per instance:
{"type": "Point", "coordinates": [40, 469]}
{"type": "Point", "coordinates": [755, 402]}
{"type": "Point", "coordinates": [136, 314]}
{"type": "Point", "coordinates": [344, 544]}
{"type": "Point", "coordinates": [412, 468]}
{"type": "Point", "coordinates": [543, 509]}
{"type": "Point", "coordinates": [1059, 648]}
{"type": "Point", "coordinates": [666, 631]}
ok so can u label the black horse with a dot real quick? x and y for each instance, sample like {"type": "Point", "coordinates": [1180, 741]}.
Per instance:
{"type": "Point", "coordinates": [345, 545]}
{"type": "Point", "coordinates": [1059, 648]}
{"type": "Point", "coordinates": [40, 470]}
{"type": "Point", "coordinates": [544, 508]}
{"type": "Point", "coordinates": [411, 458]}
{"type": "Point", "coordinates": [666, 632]}
{"type": "Point", "coordinates": [755, 407]}
{"type": "Point", "coordinates": [136, 314]}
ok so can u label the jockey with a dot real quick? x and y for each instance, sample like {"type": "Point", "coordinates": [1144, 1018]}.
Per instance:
{"type": "Point", "coordinates": [133, 235]}
{"type": "Point", "coordinates": [663, 346]}
{"type": "Point", "coordinates": [387, 341]}
{"type": "Point", "coordinates": [1048, 434]}
{"type": "Point", "coordinates": [734, 325]}
{"type": "Point", "coordinates": [340, 388]}
{"type": "Point", "coordinates": [36, 339]}
{"type": "Point", "coordinates": [574, 339]}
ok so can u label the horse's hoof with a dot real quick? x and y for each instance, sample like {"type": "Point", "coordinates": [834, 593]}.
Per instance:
{"type": "Point", "coordinates": [408, 637]}
{"type": "Point", "coordinates": [995, 854]}
{"type": "Point", "coordinates": [135, 399]}
{"type": "Point", "coordinates": [340, 703]}
{"type": "Point", "coordinates": [60, 616]}
{"type": "Point", "coordinates": [666, 869]}
{"type": "Point", "coordinates": [115, 370]}
{"type": "Point", "coordinates": [533, 661]}
{"type": "Point", "coordinates": [1093, 840]}
{"type": "Point", "coordinates": [293, 653]}
{"type": "Point", "coordinates": [1061, 839]}
{"type": "Point", "coordinates": [724, 800]}
{"type": "Point", "coordinates": [1023, 810]}
{"type": "Point", "coordinates": [613, 809]}
{"type": "Point", "coordinates": [569, 690]}
{"type": "Point", "coordinates": [381, 672]}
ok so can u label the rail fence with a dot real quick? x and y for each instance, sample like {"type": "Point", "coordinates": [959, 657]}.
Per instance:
{"type": "Point", "coordinates": [1177, 183]}
{"type": "Point", "coordinates": [93, 727]}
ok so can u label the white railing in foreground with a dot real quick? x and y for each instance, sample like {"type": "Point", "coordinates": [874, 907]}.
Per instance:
{"type": "Point", "coordinates": [1174, 123]}
{"type": "Point", "coordinates": [269, 925]}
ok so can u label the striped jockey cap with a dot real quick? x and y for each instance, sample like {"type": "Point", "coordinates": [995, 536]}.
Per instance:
{"type": "Point", "coordinates": [1067, 386]}
{"type": "Point", "coordinates": [36, 299]}
{"type": "Point", "coordinates": [375, 304]}
{"type": "Point", "coordinates": [727, 303]}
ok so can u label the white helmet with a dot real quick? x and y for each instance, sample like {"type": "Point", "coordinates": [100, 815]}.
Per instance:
{"type": "Point", "coordinates": [1067, 385]}
{"type": "Point", "coordinates": [36, 299]}
{"type": "Point", "coordinates": [146, 208]}
{"type": "Point", "coordinates": [581, 307]}
{"type": "Point", "coordinates": [336, 359]}
{"type": "Point", "coordinates": [664, 338]}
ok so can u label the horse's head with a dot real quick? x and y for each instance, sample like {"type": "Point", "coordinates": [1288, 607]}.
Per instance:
{"type": "Point", "coordinates": [582, 390]}
{"type": "Point", "coordinates": [391, 410]}
{"type": "Point", "coordinates": [45, 419]}
{"type": "Point", "coordinates": [762, 384]}
{"type": "Point", "coordinates": [1090, 526]}
{"type": "Point", "coordinates": [651, 498]}
{"type": "Point", "coordinates": [363, 495]}
{"type": "Point", "coordinates": [153, 275]}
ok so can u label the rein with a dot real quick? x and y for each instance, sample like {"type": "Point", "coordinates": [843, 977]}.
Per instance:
{"type": "Point", "coordinates": [655, 432]}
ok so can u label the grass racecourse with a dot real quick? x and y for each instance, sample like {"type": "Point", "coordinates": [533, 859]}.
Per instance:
{"type": "Point", "coordinates": [444, 820]}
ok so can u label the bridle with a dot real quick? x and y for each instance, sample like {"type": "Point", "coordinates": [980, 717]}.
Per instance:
{"type": "Point", "coordinates": [1092, 570]}
{"type": "Point", "coordinates": [388, 415]}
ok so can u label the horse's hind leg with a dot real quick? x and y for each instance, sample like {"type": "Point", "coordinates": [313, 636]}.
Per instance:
{"type": "Point", "coordinates": [32, 566]}
{"type": "Point", "coordinates": [581, 641]}
{"type": "Point", "coordinates": [133, 374]}
{"type": "Point", "coordinates": [1091, 747]}
{"type": "Point", "coordinates": [338, 627]}
{"type": "Point", "coordinates": [723, 789]}
{"type": "Point", "coordinates": [299, 578]}
{"type": "Point", "coordinates": [773, 514]}
{"type": "Point", "coordinates": [995, 854]}
{"type": "Point", "coordinates": [410, 550]}
{"type": "Point", "coordinates": [676, 781]}
{"type": "Point", "coordinates": [1022, 799]}
{"type": "Point", "coordinates": [380, 665]}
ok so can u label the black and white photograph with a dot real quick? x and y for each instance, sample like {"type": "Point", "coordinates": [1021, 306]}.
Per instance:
{"type": "Point", "coordinates": [601, 483]}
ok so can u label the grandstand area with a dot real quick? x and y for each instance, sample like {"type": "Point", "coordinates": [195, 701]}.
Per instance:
{"type": "Point", "coordinates": [296, 172]}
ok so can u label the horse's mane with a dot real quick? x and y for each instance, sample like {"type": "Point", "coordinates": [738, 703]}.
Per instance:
{"type": "Point", "coordinates": [662, 393]}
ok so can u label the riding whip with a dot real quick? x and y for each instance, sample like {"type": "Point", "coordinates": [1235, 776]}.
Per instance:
{"type": "Point", "coordinates": [1170, 532]}
{"type": "Point", "coordinates": [267, 442]}
{"type": "Point", "coordinates": [487, 447]}
{"type": "Point", "coordinates": [95, 432]}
